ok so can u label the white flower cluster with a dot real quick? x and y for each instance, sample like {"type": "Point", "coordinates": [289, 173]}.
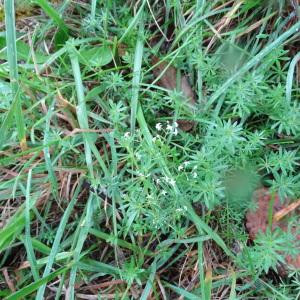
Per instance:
{"type": "Point", "coordinates": [181, 210]}
{"type": "Point", "coordinates": [183, 165]}
{"type": "Point", "coordinates": [170, 181]}
{"type": "Point", "coordinates": [170, 128]}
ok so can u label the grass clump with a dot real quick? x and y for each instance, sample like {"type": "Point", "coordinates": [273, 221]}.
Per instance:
{"type": "Point", "coordinates": [104, 193]}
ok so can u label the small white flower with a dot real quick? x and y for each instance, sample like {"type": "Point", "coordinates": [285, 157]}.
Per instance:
{"type": "Point", "coordinates": [185, 208]}
{"type": "Point", "coordinates": [154, 139]}
{"type": "Point", "coordinates": [158, 126]}
{"type": "Point", "coordinates": [149, 196]}
{"type": "Point", "coordinates": [127, 135]}
{"type": "Point", "coordinates": [163, 192]}
{"type": "Point", "coordinates": [169, 127]}
{"type": "Point", "coordinates": [140, 174]}
{"type": "Point", "coordinates": [157, 181]}
{"type": "Point", "coordinates": [195, 168]}
{"type": "Point", "coordinates": [186, 163]}
{"type": "Point", "coordinates": [195, 175]}
{"type": "Point", "coordinates": [180, 168]}
{"type": "Point", "coordinates": [138, 156]}
{"type": "Point", "coordinates": [175, 131]}
{"type": "Point", "coordinates": [175, 124]}
{"type": "Point", "coordinates": [172, 182]}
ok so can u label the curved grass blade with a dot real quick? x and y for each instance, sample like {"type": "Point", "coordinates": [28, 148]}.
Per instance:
{"type": "Point", "coordinates": [290, 75]}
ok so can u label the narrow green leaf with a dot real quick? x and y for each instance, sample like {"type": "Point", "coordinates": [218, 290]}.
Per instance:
{"type": "Point", "coordinates": [28, 244]}
{"type": "Point", "coordinates": [29, 289]}
{"type": "Point", "coordinates": [84, 230]}
{"type": "Point", "coordinates": [57, 239]}
{"type": "Point", "coordinates": [53, 14]}
{"type": "Point", "coordinates": [13, 70]}
{"type": "Point", "coordinates": [149, 283]}
{"type": "Point", "coordinates": [138, 56]}
{"type": "Point", "coordinates": [290, 75]}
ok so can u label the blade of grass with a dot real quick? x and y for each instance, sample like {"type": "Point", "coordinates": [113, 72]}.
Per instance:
{"type": "Point", "coordinates": [133, 22]}
{"type": "Point", "coordinates": [138, 56]}
{"type": "Point", "coordinates": [57, 239]}
{"type": "Point", "coordinates": [110, 239]}
{"type": "Point", "coordinates": [91, 265]}
{"type": "Point", "coordinates": [232, 295]}
{"type": "Point", "coordinates": [7, 122]}
{"type": "Point", "coordinates": [13, 69]}
{"type": "Point", "coordinates": [182, 292]}
{"type": "Point", "coordinates": [12, 229]}
{"type": "Point", "coordinates": [208, 283]}
{"type": "Point", "coordinates": [84, 230]}
{"type": "Point", "coordinates": [290, 75]}
{"type": "Point", "coordinates": [29, 289]}
{"type": "Point", "coordinates": [7, 160]}
{"type": "Point", "coordinates": [150, 280]}
{"type": "Point", "coordinates": [50, 169]}
{"type": "Point", "coordinates": [27, 240]}
{"type": "Point", "coordinates": [52, 13]}
{"type": "Point", "coordinates": [201, 269]}
{"type": "Point", "coordinates": [83, 116]}
{"type": "Point", "coordinates": [93, 10]}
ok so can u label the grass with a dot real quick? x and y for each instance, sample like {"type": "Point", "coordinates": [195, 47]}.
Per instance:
{"type": "Point", "coordinates": [103, 194]}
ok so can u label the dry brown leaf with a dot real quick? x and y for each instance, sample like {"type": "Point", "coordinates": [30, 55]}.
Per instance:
{"type": "Point", "coordinates": [167, 79]}
{"type": "Point", "coordinates": [257, 220]}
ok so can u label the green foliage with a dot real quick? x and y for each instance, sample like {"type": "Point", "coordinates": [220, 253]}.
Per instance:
{"type": "Point", "coordinates": [123, 194]}
{"type": "Point", "coordinates": [269, 251]}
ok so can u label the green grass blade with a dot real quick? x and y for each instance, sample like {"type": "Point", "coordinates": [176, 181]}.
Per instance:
{"type": "Point", "coordinates": [121, 243]}
{"type": "Point", "coordinates": [232, 295]}
{"type": "Point", "coordinates": [13, 69]}
{"type": "Point", "coordinates": [52, 13]}
{"type": "Point", "coordinates": [138, 56]}
{"type": "Point", "coordinates": [201, 269]}
{"type": "Point", "coordinates": [14, 227]}
{"type": "Point", "coordinates": [27, 240]}
{"type": "Point", "coordinates": [133, 22]}
{"type": "Point", "coordinates": [83, 116]}
{"type": "Point", "coordinates": [8, 121]}
{"type": "Point", "coordinates": [50, 169]}
{"type": "Point", "coordinates": [57, 239]}
{"type": "Point", "coordinates": [149, 283]}
{"type": "Point", "coordinates": [182, 292]}
{"type": "Point", "coordinates": [290, 75]}
{"type": "Point", "coordinates": [22, 293]}
{"type": "Point", "coordinates": [84, 230]}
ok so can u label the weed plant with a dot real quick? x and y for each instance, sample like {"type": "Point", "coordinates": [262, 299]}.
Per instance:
{"type": "Point", "coordinates": [103, 195]}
